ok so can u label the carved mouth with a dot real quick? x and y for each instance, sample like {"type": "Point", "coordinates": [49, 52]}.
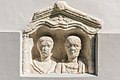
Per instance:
{"type": "Point", "coordinates": [73, 51]}
{"type": "Point", "coordinates": [44, 52]}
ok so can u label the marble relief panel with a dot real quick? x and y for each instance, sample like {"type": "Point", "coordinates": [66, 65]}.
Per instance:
{"type": "Point", "coordinates": [60, 40]}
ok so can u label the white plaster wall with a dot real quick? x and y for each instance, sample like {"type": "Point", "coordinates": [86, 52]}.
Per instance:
{"type": "Point", "coordinates": [16, 14]}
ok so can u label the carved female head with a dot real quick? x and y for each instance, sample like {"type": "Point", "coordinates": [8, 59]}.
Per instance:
{"type": "Point", "coordinates": [73, 46]}
{"type": "Point", "coordinates": [45, 45]}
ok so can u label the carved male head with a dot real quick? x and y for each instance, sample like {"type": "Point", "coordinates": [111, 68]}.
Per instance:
{"type": "Point", "coordinates": [73, 46]}
{"type": "Point", "coordinates": [45, 45]}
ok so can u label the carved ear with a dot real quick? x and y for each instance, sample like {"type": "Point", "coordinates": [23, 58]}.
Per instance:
{"type": "Point", "coordinates": [65, 45]}
{"type": "Point", "coordinates": [81, 46]}
{"type": "Point", "coordinates": [38, 46]}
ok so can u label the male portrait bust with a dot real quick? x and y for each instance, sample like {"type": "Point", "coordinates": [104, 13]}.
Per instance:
{"type": "Point", "coordinates": [72, 65]}
{"type": "Point", "coordinates": [44, 64]}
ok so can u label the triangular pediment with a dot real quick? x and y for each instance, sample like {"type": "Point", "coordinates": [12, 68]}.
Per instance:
{"type": "Point", "coordinates": [63, 16]}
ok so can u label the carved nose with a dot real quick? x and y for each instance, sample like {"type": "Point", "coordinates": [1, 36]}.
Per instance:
{"type": "Point", "coordinates": [72, 48]}
{"type": "Point", "coordinates": [44, 48]}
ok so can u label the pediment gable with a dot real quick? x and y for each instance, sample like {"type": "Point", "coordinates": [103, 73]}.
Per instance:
{"type": "Point", "coordinates": [63, 16]}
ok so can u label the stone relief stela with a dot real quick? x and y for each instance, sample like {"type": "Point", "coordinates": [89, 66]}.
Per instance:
{"type": "Point", "coordinates": [60, 40]}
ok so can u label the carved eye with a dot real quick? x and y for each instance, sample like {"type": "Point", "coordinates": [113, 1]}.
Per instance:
{"type": "Point", "coordinates": [76, 45]}
{"type": "Point", "coordinates": [43, 45]}
{"type": "Point", "coordinates": [49, 45]}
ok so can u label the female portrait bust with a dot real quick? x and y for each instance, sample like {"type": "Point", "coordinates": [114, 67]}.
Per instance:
{"type": "Point", "coordinates": [44, 64]}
